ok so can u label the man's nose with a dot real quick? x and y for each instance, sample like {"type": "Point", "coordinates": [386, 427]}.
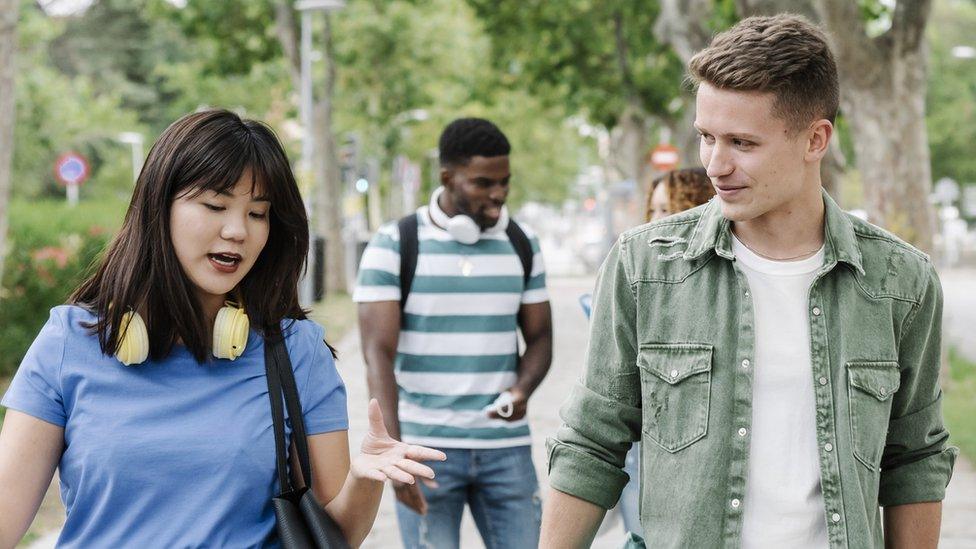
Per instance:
{"type": "Point", "coordinates": [719, 162]}
{"type": "Point", "coordinates": [498, 193]}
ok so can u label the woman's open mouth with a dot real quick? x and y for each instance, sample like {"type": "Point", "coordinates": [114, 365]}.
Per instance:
{"type": "Point", "coordinates": [225, 263]}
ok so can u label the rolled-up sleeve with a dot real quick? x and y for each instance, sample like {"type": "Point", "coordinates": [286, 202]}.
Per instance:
{"type": "Point", "coordinates": [601, 418]}
{"type": "Point", "coordinates": [917, 461]}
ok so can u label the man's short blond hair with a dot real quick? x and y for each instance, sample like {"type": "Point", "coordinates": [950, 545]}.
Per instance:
{"type": "Point", "coordinates": [785, 55]}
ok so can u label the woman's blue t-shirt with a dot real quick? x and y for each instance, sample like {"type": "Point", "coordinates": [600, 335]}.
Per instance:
{"type": "Point", "coordinates": [168, 453]}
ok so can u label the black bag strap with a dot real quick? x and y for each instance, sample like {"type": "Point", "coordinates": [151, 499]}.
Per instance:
{"type": "Point", "coordinates": [409, 249]}
{"type": "Point", "coordinates": [277, 417]}
{"type": "Point", "coordinates": [523, 247]}
{"type": "Point", "coordinates": [281, 379]}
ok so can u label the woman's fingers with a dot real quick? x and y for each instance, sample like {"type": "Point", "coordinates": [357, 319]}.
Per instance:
{"type": "Point", "coordinates": [415, 469]}
{"type": "Point", "coordinates": [422, 453]}
{"type": "Point", "coordinates": [395, 473]}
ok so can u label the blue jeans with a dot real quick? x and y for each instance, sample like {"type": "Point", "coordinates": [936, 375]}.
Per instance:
{"type": "Point", "coordinates": [501, 487]}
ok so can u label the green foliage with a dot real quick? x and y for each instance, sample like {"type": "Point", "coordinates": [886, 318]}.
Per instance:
{"type": "Point", "coordinates": [57, 113]}
{"type": "Point", "coordinates": [951, 100]}
{"type": "Point", "coordinates": [593, 57]}
{"type": "Point", "coordinates": [53, 247]}
{"type": "Point", "coordinates": [397, 57]}
{"type": "Point", "coordinates": [960, 403]}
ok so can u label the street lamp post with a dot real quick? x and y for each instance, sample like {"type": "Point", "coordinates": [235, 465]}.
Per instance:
{"type": "Point", "coordinates": [136, 141]}
{"type": "Point", "coordinates": [306, 8]}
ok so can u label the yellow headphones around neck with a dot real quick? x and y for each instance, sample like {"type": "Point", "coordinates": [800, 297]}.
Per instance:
{"type": "Point", "coordinates": [229, 335]}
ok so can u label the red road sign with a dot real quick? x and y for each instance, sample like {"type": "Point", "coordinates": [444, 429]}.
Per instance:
{"type": "Point", "coordinates": [664, 157]}
{"type": "Point", "coordinates": [71, 169]}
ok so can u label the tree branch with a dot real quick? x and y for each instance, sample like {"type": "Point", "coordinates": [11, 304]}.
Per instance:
{"type": "Point", "coordinates": [858, 56]}
{"type": "Point", "coordinates": [287, 31]}
{"type": "Point", "coordinates": [909, 21]}
{"type": "Point", "coordinates": [681, 23]}
{"type": "Point", "coordinates": [625, 73]}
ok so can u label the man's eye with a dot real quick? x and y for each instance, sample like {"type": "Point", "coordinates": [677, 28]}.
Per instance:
{"type": "Point", "coordinates": [214, 207]}
{"type": "Point", "coordinates": [741, 143]}
{"type": "Point", "coordinates": [707, 138]}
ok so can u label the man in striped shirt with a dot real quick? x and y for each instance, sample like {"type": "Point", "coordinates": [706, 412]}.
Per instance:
{"type": "Point", "coordinates": [439, 365]}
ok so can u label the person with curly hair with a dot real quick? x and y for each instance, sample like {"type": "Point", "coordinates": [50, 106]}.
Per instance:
{"type": "Point", "coordinates": [677, 191]}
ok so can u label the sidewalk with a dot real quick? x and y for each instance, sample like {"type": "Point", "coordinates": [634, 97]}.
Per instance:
{"type": "Point", "coordinates": [959, 316]}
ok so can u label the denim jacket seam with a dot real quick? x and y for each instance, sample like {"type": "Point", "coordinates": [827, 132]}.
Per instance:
{"type": "Point", "coordinates": [908, 322]}
{"type": "Point", "coordinates": [637, 232]}
{"type": "Point", "coordinates": [916, 306]}
{"type": "Point", "coordinates": [884, 295]}
{"type": "Point", "coordinates": [897, 243]}
{"type": "Point", "coordinates": [671, 281]}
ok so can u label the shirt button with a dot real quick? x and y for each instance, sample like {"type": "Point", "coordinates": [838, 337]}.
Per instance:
{"type": "Point", "coordinates": [828, 447]}
{"type": "Point", "coordinates": [816, 311]}
{"type": "Point", "coordinates": [674, 373]}
{"type": "Point", "coordinates": [835, 517]}
{"type": "Point", "coordinates": [882, 391]}
{"type": "Point", "coordinates": [742, 431]}
{"type": "Point", "coordinates": [745, 363]}
{"type": "Point", "coordinates": [823, 381]}
{"type": "Point", "coordinates": [735, 503]}
{"type": "Point", "coordinates": [747, 294]}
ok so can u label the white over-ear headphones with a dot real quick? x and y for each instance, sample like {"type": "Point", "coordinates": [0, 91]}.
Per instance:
{"type": "Point", "coordinates": [461, 227]}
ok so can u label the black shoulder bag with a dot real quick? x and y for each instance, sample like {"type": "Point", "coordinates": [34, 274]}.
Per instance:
{"type": "Point", "coordinates": [302, 521]}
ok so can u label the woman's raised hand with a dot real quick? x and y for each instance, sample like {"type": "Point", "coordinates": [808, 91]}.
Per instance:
{"type": "Point", "coordinates": [384, 458]}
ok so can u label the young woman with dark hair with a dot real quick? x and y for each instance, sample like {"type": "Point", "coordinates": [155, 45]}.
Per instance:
{"type": "Point", "coordinates": [163, 435]}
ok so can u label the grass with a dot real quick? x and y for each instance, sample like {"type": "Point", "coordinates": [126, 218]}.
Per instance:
{"type": "Point", "coordinates": [55, 216]}
{"type": "Point", "coordinates": [959, 405]}
{"type": "Point", "coordinates": [337, 313]}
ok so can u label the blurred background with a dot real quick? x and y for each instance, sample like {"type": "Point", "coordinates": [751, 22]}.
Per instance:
{"type": "Point", "coordinates": [590, 93]}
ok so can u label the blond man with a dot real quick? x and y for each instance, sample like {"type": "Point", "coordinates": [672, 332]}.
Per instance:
{"type": "Point", "coordinates": [777, 358]}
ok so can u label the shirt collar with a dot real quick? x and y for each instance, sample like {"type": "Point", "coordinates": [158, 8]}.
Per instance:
{"type": "Point", "coordinates": [713, 232]}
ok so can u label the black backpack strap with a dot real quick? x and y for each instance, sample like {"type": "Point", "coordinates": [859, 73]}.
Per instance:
{"type": "Point", "coordinates": [409, 248]}
{"type": "Point", "coordinates": [523, 247]}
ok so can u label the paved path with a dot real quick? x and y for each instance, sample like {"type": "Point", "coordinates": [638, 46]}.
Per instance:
{"type": "Point", "coordinates": [959, 316]}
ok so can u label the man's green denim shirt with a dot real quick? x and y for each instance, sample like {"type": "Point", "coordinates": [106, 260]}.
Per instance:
{"type": "Point", "coordinates": [670, 364]}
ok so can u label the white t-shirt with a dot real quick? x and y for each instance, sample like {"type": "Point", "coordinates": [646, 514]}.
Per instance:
{"type": "Point", "coordinates": [783, 504]}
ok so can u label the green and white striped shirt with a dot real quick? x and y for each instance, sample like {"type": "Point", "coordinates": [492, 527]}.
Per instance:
{"type": "Point", "coordinates": [458, 346]}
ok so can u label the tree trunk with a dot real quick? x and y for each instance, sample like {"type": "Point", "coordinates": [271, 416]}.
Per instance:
{"type": "Point", "coordinates": [883, 85]}
{"type": "Point", "coordinates": [682, 24]}
{"type": "Point", "coordinates": [286, 29]}
{"type": "Point", "coordinates": [8, 48]}
{"type": "Point", "coordinates": [629, 143]}
{"type": "Point", "coordinates": [894, 164]}
{"type": "Point", "coordinates": [328, 192]}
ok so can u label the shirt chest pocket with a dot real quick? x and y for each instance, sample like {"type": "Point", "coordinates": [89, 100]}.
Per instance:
{"type": "Point", "coordinates": [675, 392]}
{"type": "Point", "coordinates": [869, 388]}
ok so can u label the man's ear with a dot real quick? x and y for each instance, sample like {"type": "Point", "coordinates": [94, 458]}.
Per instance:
{"type": "Point", "coordinates": [818, 140]}
{"type": "Point", "coordinates": [447, 177]}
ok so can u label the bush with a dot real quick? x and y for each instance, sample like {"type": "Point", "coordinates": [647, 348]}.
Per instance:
{"type": "Point", "coordinates": [52, 249]}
